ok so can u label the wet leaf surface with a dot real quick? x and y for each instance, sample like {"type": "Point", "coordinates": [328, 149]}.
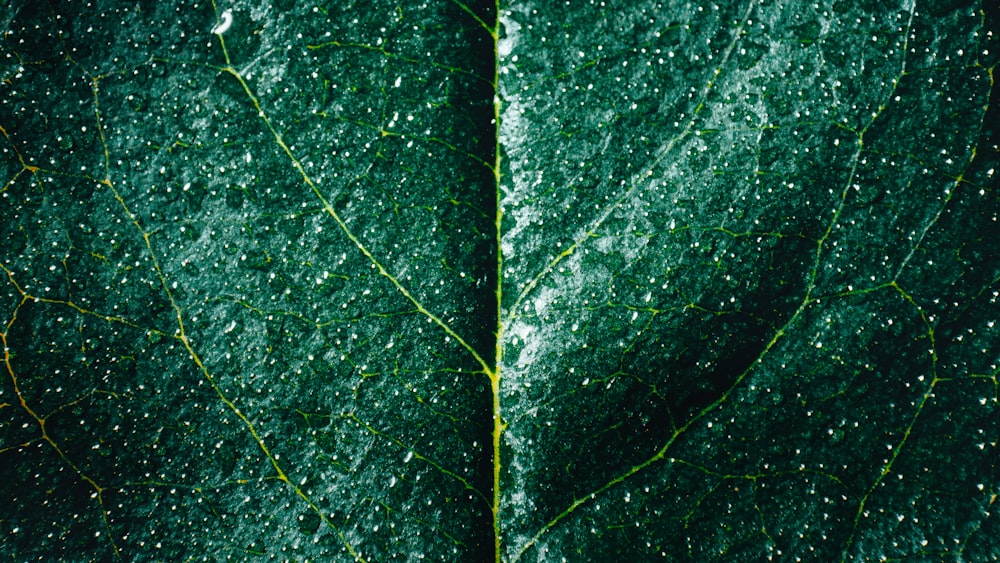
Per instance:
{"type": "Point", "coordinates": [721, 285]}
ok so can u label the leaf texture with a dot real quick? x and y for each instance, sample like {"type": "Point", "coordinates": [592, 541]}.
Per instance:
{"type": "Point", "coordinates": [538, 281]}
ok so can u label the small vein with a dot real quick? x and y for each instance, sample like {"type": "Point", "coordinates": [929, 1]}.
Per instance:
{"type": "Point", "coordinates": [492, 30]}
{"type": "Point", "coordinates": [658, 157]}
{"type": "Point", "coordinates": [41, 420]}
{"type": "Point", "coordinates": [390, 55]}
{"type": "Point", "coordinates": [382, 270]}
{"type": "Point", "coordinates": [898, 448]}
{"type": "Point", "coordinates": [417, 455]}
{"type": "Point", "coordinates": [181, 334]}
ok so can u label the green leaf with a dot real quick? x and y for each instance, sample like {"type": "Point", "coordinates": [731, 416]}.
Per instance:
{"type": "Point", "coordinates": [761, 330]}
{"type": "Point", "coordinates": [249, 281]}
{"type": "Point", "coordinates": [721, 285]}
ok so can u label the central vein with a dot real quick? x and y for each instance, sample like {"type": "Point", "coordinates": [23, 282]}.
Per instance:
{"type": "Point", "coordinates": [498, 423]}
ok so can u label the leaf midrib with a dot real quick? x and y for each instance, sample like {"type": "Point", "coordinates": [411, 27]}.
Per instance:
{"type": "Point", "coordinates": [493, 371]}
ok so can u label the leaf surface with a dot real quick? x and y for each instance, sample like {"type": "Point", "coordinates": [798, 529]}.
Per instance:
{"type": "Point", "coordinates": [721, 285]}
{"type": "Point", "coordinates": [759, 331]}
{"type": "Point", "coordinates": [248, 281]}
